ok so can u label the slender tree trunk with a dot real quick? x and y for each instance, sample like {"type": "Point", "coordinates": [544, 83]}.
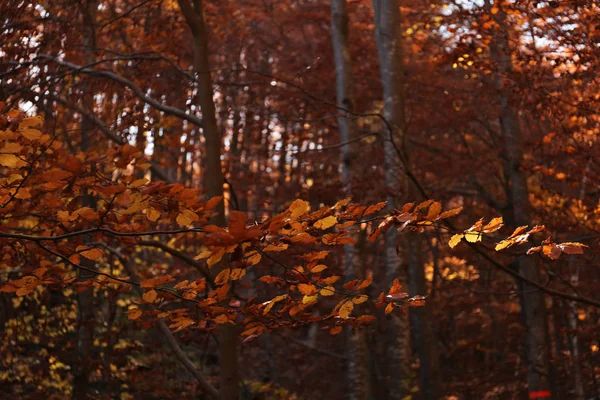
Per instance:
{"type": "Point", "coordinates": [422, 324]}
{"type": "Point", "coordinates": [194, 15]}
{"type": "Point", "coordinates": [358, 354]}
{"type": "Point", "coordinates": [388, 36]}
{"type": "Point", "coordinates": [85, 298]}
{"type": "Point", "coordinates": [533, 305]}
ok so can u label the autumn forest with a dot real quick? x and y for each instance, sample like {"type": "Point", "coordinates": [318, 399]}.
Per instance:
{"type": "Point", "coordinates": [299, 199]}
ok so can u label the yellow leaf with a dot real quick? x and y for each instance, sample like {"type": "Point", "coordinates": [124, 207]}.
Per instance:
{"type": "Point", "coordinates": [9, 160]}
{"type": "Point", "coordinates": [31, 134]}
{"type": "Point", "coordinates": [298, 208]}
{"type": "Point", "coordinates": [326, 222]}
{"type": "Point", "coordinates": [152, 214]}
{"type": "Point", "coordinates": [327, 291]}
{"type": "Point", "coordinates": [504, 244]}
{"type": "Point", "coordinates": [473, 237]}
{"type": "Point", "coordinates": [455, 240]}
{"type": "Point", "coordinates": [360, 299]}
{"type": "Point", "coordinates": [150, 296]}
{"type": "Point", "coordinates": [92, 254]}
{"type": "Point", "coordinates": [310, 299]}
{"type": "Point", "coordinates": [134, 313]}
{"type": "Point", "coordinates": [346, 309]}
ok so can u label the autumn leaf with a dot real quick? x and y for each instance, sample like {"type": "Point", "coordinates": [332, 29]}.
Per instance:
{"type": "Point", "coordinates": [277, 247]}
{"type": "Point", "coordinates": [360, 299]}
{"type": "Point", "coordinates": [271, 303]}
{"type": "Point", "coordinates": [455, 240]}
{"type": "Point", "coordinates": [92, 254]}
{"type": "Point", "coordinates": [31, 134]}
{"type": "Point", "coordinates": [450, 213]}
{"type": "Point", "coordinates": [150, 296]}
{"type": "Point", "coordinates": [155, 282]}
{"type": "Point", "coordinates": [473, 237]}
{"type": "Point", "coordinates": [152, 214]}
{"type": "Point", "coordinates": [346, 309]}
{"type": "Point", "coordinates": [222, 277]}
{"type": "Point", "coordinates": [318, 268]}
{"type": "Point", "coordinates": [134, 313]}
{"type": "Point", "coordinates": [389, 308]}
{"type": "Point", "coordinates": [307, 289]}
{"type": "Point", "coordinates": [327, 291]}
{"type": "Point", "coordinates": [298, 208]}
{"type": "Point", "coordinates": [493, 225]}
{"type": "Point", "coordinates": [309, 299]}
{"type": "Point", "coordinates": [335, 330]}
{"type": "Point", "coordinates": [434, 210]}
{"type": "Point", "coordinates": [9, 160]}
{"type": "Point", "coordinates": [326, 222]}
{"type": "Point", "coordinates": [572, 247]}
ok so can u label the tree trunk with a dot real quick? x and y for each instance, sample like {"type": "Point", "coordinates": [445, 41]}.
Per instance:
{"type": "Point", "coordinates": [85, 298]}
{"type": "Point", "coordinates": [358, 354]}
{"type": "Point", "coordinates": [532, 300]}
{"type": "Point", "coordinates": [422, 324]}
{"type": "Point", "coordinates": [194, 15]}
{"type": "Point", "coordinates": [388, 36]}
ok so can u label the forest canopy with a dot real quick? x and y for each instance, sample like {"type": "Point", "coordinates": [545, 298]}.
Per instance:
{"type": "Point", "coordinates": [343, 199]}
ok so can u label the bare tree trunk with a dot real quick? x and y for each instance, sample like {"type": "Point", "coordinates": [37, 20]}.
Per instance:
{"type": "Point", "coordinates": [422, 324]}
{"type": "Point", "coordinates": [85, 298]}
{"type": "Point", "coordinates": [194, 15]}
{"type": "Point", "coordinates": [533, 305]}
{"type": "Point", "coordinates": [388, 36]}
{"type": "Point", "coordinates": [358, 354]}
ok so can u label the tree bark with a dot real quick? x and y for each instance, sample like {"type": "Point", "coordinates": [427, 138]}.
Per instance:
{"type": "Point", "coordinates": [194, 15]}
{"type": "Point", "coordinates": [85, 298]}
{"type": "Point", "coordinates": [388, 36]}
{"type": "Point", "coordinates": [358, 353]}
{"type": "Point", "coordinates": [532, 301]}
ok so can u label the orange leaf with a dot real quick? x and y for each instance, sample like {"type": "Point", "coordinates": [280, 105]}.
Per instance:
{"type": "Point", "coordinates": [134, 313]}
{"type": "Point", "coordinates": [150, 296]}
{"type": "Point", "coordinates": [298, 208]}
{"type": "Point", "coordinates": [92, 254]}
{"type": "Point", "coordinates": [336, 330]}
{"type": "Point", "coordinates": [374, 208]}
{"type": "Point", "coordinates": [278, 247]}
{"type": "Point", "coordinates": [346, 309]}
{"type": "Point", "coordinates": [307, 289]}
